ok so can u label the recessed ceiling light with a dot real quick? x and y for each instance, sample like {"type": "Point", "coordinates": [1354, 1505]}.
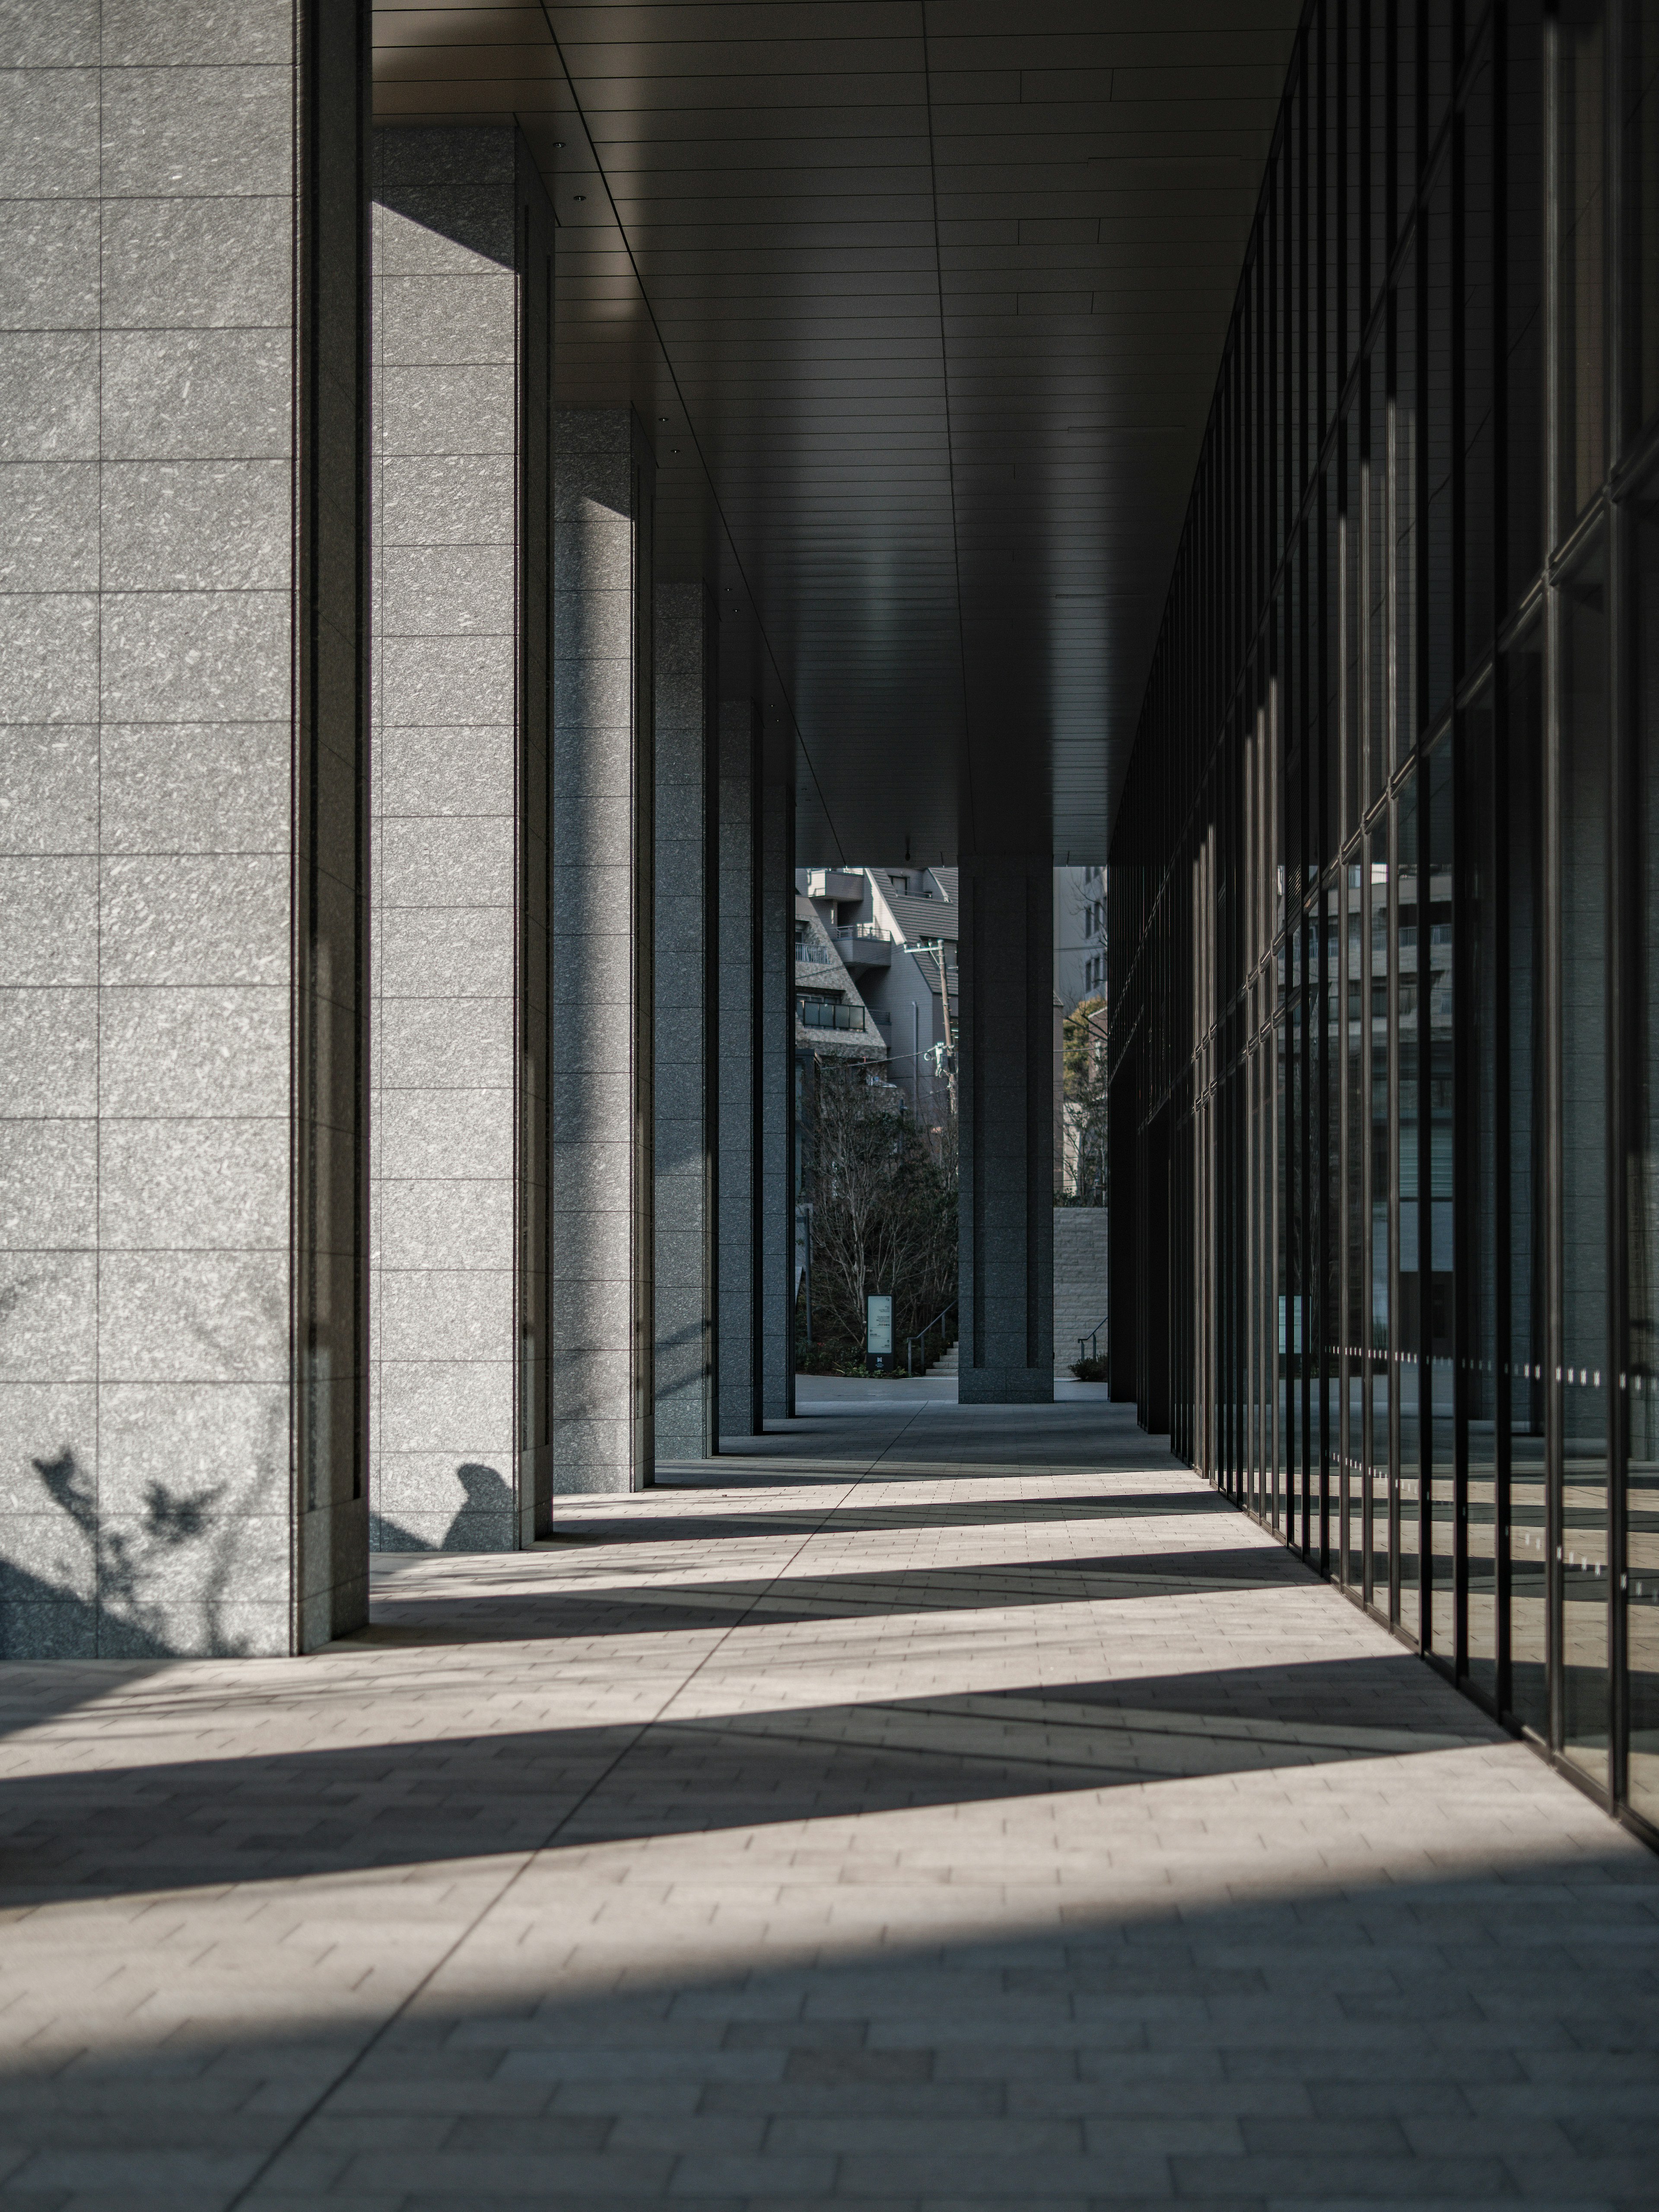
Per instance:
{"type": "Point", "coordinates": [580, 198]}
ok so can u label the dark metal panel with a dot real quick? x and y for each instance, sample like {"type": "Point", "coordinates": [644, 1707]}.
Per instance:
{"type": "Point", "coordinates": [923, 306]}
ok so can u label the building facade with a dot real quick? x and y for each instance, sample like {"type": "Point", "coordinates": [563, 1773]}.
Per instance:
{"type": "Point", "coordinates": [1384, 1001]}
{"type": "Point", "coordinates": [878, 921]}
{"type": "Point", "coordinates": [1079, 934]}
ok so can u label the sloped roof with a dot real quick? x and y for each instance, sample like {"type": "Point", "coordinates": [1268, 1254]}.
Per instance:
{"type": "Point", "coordinates": [922, 917]}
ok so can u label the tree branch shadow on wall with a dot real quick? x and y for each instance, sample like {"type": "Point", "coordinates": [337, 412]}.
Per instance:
{"type": "Point", "coordinates": [131, 1572]}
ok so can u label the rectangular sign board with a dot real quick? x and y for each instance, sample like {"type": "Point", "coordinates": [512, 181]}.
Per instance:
{"type": "Point", "coordinates": [878, 1326]}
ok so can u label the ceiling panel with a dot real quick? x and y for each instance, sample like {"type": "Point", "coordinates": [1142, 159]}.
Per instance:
{"type": "Point", "coordinates": [922, 307]}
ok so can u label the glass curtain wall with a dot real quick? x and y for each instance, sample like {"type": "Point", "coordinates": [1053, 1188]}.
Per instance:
{"type": "Point", "coordinates": [1384, 881]}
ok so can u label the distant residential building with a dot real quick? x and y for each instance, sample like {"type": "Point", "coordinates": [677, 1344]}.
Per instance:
{"type": "Point", "coordinates": [895, 931]}
{"type": "Point", "coordinates": [831, 1015]}
{"type": "Point", "coordinates": [1079, 934]}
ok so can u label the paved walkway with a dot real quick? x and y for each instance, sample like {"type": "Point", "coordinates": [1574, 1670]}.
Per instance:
{"type": "Point", "coordinates": [935, 1808]}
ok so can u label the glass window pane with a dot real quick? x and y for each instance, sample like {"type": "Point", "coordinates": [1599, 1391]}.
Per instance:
{"type": "Point", "coordinates": [1407, 133]}
{"type": "Point", "coordinates": [1642, 1509]}
{"type": "Point", "coordinates": [1378, 1546]}
{"type": "Point", "coordinates": [1356, 1137]}
{"type": "Point", "coordinates": [1351, 632]}
{"type": "Point", "coordinates": [1439, 421]}
{"type": "Point", "coordinates": [1482, 1359]}
{"type": "Point", "coordinates": [1640, 79]}
{"type": "Point", "coordinates": [1521, 782]}
{"type": "Point", "coordinates": [1405, 429]}
{"type": "Point", "coordinates": [1375, 519]}
{"type": "Point", "coordinates": [1581, 275]}
{"type": "Point", "coordinates": [1284, 1457]}
{"type": "Point", "coordinates": [1584, 1223]}
{"type": "Point", "coordinates": [1521, 535]}
{"type": "Point", "coordinates": [1476, 307]}
{"type": "Point", "coordinates": [1406, 1366]}
{"type": "Point", "coordinates": [1435, 949]}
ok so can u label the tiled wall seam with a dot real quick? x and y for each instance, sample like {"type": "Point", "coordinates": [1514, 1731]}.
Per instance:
{"type": "Point", "coordinates": [737, 1351]}
{"type": "Point", "coordinates": [445, 323]}
{"type": "Point", "coordinates": [146, 347]}
{"type": "Point", "coordinates": [601, 817]}
{"type": "Point", "coordinates": [684, 1323]}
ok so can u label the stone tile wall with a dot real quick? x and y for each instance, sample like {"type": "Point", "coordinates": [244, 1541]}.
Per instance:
{"type": "Point", "coordinates": [602, 1307]}
{"type": "Point", "coordinates": [147, 832]}
{"type": "Point", "coordinates": [684, 1159]}
{"type": "Point", "coordinates": [775, 1038]}
{"type": "Point", "coordinates": [451, 212]}
{"type": "Point", "coordinates": [738, 1350]}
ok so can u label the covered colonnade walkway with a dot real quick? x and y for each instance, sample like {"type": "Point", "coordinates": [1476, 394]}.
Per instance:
{"type": "Point", "coordinates": [486, 493]}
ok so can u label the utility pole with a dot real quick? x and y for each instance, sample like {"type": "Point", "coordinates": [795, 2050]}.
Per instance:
{"type": "Point", "coordinates": [936, 946]}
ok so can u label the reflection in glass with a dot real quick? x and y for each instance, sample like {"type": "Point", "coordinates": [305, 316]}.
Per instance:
{"type": "Point", "coordinates": [1406, 1366]}
{"type": "Point", "coordinates": [1482, 1361]}
{"type": "Point", "coordinates": [1331, 1480]}
{"type": "Point", "coordinates": [1378, 1516]}
{"type": "Point", "coordinates": [1642, 1355]}
{"type": "Point", "coordinates": [1585, 1390]}
{"type": "Point", "coordinates": [1435, 958]}
{"type": "Point", "coordinates": [1356, 1137]}
{"type": "Point", "coordinates": [1285, 1360]}
{"type": "Point", "coordinates": [1529, 1304]}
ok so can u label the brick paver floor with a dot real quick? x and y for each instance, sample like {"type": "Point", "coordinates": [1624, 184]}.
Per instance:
{"type": "Point", "coordinates": [930, 1808]}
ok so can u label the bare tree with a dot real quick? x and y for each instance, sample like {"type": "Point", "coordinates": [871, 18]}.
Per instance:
{"type": "Point", "coordinates": [1085, 1067]}
{"type": "Point", "coordinates": [884, 1207]}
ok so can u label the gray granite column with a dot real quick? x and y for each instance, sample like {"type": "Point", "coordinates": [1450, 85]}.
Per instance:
{"type": "Point", "coordinates": [739, 1367]}
{"type": "Point", "coordinates": [462, 237]}
{"type": "Point", "coordinates": [1005, 1093]}
{"type": "Point", "coordinates": [686, 1019]}
{"type": "Point", "coordinates": [775, 1037]}
{"type": "Point", "coordinates": [603, 1327]}
{"type": "Point", "coordinates": [183, 829]}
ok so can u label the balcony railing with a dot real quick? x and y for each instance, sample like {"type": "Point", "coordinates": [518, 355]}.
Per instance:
{"type": "Point", "coordinates": [828, 1014]}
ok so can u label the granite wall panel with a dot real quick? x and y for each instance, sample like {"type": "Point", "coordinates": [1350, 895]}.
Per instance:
{"type": "Point", "coordinates": [775, 1033]}
{"type": "Point", "coordinates": [686, 1193]}
{"type": "Point", "coordinates": [603, 992]}
{"type": "Point", "coordinates": [458, 225]}
{"type": "Point", "coordinates": [148, 839]}
{"type": "Point", "coordinates": [738, 1369]}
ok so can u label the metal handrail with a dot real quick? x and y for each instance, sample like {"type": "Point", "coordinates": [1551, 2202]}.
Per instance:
{"type": "Point", "coordinates": [1092, 1340]}
{"type": "Point", "coordinates": [910, 1342]}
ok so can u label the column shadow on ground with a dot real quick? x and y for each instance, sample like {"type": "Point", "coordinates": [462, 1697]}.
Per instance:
{"type": "Point", "coordinates": [190, 1823]}
{"type": "Point", "coordinates": [1489, 2034]}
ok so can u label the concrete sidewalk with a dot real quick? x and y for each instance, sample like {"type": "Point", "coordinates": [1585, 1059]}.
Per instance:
{"type": "Point", "coordinates": [917, 1812]}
